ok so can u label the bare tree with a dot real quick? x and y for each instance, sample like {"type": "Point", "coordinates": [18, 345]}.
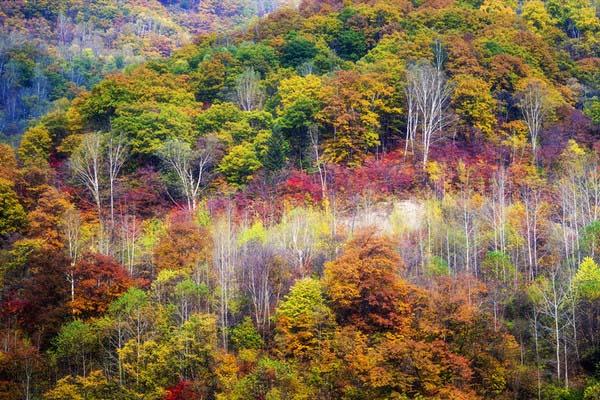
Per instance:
{"type": "Point", "coordinates": [579, 193]}
{"type": "Point", "coordinates": [225, 260]}
{"type": "Point", "coordinates": [297, 235]}
{"type": "Point", "coordinates": [535, 107]}
{"type": "Point", "coordinates": [96, 163]}
{"type": "Point", "coordinates": [439, 54]}
{"type": "Point", "coordinates": [553, 296]}
{"type": "Point", "coordinates": [116, 154]}
{"type": "Point", "coordinates": [86, 164]}
{"type": "Point", "coordinates": [250, 95]}
{"type": "Point", "coordinates": [313, 132]}
{"type": "Point", "coordinates": [428, 93]}
{"type": "Point", "coordinates": [189, 165]}
{"type": "Point", "coordinates": [71, 229]}
{"type": "Point", "coordinates": [257, 264]}
{"type": "Point", "coordinates": [412, 117]}
{"type": "Point", "coordinates": [130, 232]}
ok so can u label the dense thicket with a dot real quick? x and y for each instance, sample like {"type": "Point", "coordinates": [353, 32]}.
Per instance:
{"type": "Point", "coordinates": [347, 200]}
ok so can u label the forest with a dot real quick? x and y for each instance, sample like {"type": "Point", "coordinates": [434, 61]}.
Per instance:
{"type": "Point", "coordinates": [54, 49]}
{"type": "Point", "coordinates": [336, 199]}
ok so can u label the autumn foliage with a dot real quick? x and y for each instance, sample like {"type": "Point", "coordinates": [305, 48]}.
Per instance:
{"type": "Point", "coordinates": [382, 199]}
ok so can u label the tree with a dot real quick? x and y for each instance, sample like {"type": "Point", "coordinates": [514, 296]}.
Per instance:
{"type": "Point", "coordinates": [364, 286]}
{"type": "Point", "coordinates": [94, 386]}
{"type": "Point", "coordinates": [262, 276]}
{"type": "Point", "coordinates": [74, 345]}
{"type": "Point", "coordinates": [536, 106]}
{"type": "Point", "coordinates": [98, 281]}
{"type": "Point", "coordinates": [96, 163]}
{"type": "Point", "coordinates": [245, 336]}
{"type": "Point", "coordinates": [116, 155]}
{"type": "Point", "coordinates": [225, 261]}
{"type": "Point", "coordinates": [240, 163]}
{"type": "Point", "coordinates": [300, 103]}
{"type": "Point", "coordinates": [12, 214]}
{"type": "Point", "coordinates": [35, 146]}
{"type": "Point", "coordinates": [45, 219]}
{"type": "Point", "coordinates": [297, 50]}
{"type": "Point", "coordinates": [298, 233]}
{"type": "Point", "coordinates": [70, 227]}
{"type": "Point", "coordinates": [427, 93]}
{"type": "Point", "coordinates": [8, 162]}
{"type": "Point", "coordinates": [249, 92]}
{"type": "Point", "coordinates": [22, 366]}
{"type": "Point", "coordinates": [350, 112]}
{"type": "Point", "coordinates": [86, 164]}
{"type": "Point", "coordinates": [303, 320]}
{"type": "Point", "coordinates": [190, 166]}
{"type": "Point", "coordinates": [474, 103]}
{"type": "Point", "coordinates": [183, 246]}
{"type": "Point", "coordinates": [592, 110]}
{"type": "Point", "coordinates": [42, 293]}
{"type": "Point", "coordinates": [209, 79]}
{"type": "Point", "coordinates": [536, 15]}
{"type": "Point", "coordinates": [552, 294]}
{"type": "Point", "coordinates": [193, 347]}
{"type": "Point", "coordinates": [147, 126]}
{"type": "Point", "coordinates": [586, 281]}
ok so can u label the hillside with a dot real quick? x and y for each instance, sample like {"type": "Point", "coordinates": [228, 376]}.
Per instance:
{"type": "Point", "coordinates": [53, 49]}
{"type": "Point", "coordinates": [378, 199]}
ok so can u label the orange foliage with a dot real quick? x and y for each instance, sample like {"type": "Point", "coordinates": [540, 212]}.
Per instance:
{"type": "Point", "coordinates": [364, 286]}
{"type": "Point", "coordinates": [98, 281]}
{"type": "Point", "coordinates": [184, 245]}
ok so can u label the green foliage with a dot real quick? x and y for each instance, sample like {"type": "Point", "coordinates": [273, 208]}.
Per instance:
{"type": "Point", "coordinates": [587, 280]}
{"type": "Point", "coordinates": [590, 239]}
{"type": "Point", "coordinates": [129, 303]}
{"type": "Point", "coordinates": [245, 336]}
{"type": "Point", "coordinates": [35, 146]}
{"type": "Point", "coordinates": [193, 348]}
{"type": "Point", "coordinates": [213, 119]}
{"type": "Point", "coordinates": [498, 266]}
{"type": "Point", "coordinates": [73, 344]}
{"type": "Point", "coordinates": [553, 392]}
{"type": "Point", "coordinates": [592, 110]}
{"type": "Point", "coordinates": [254, 233]}
{"type": "Point", "coordinates": [592, 391]}
{"type": "Point", "coordinates": [349, 43]}
{"type": "Point", "coordinates": [240, 163]}
{"type": "Point", "coordinates": [297, 50]}
{"type": "Point", "coordinates": [535, 13]}
{"type": "Point", "coordinates": [272, 380]}
{"type": "Point", "coordinates": [12, 214]}
{"type": "Point", "coordinates": [148, 126]}
{"type": "Point", "coordinates": [303, 319]}
{"type": "Point", "coordinates": [437, 266]}
{"type": "Point", "coordinates": [260, 57]}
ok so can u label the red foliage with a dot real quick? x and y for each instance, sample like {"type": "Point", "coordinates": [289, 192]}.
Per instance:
{"type": "Point", "coordinates": [573, 125]}
{"type": "Point", "coordinates": [99, 280]}
{"type": "Point", "coordinates": [184, 390]}
{"type": "Point", "coordinates": [390, 174]}
{"type": "Point", "coordinates": [143, 194]}
{"type": "Point", "coordinates": [481, 160]}
{"type": "Point", "coordinates": [301, 186]}
{"type": "Point", "coordinates": [38, 301]}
